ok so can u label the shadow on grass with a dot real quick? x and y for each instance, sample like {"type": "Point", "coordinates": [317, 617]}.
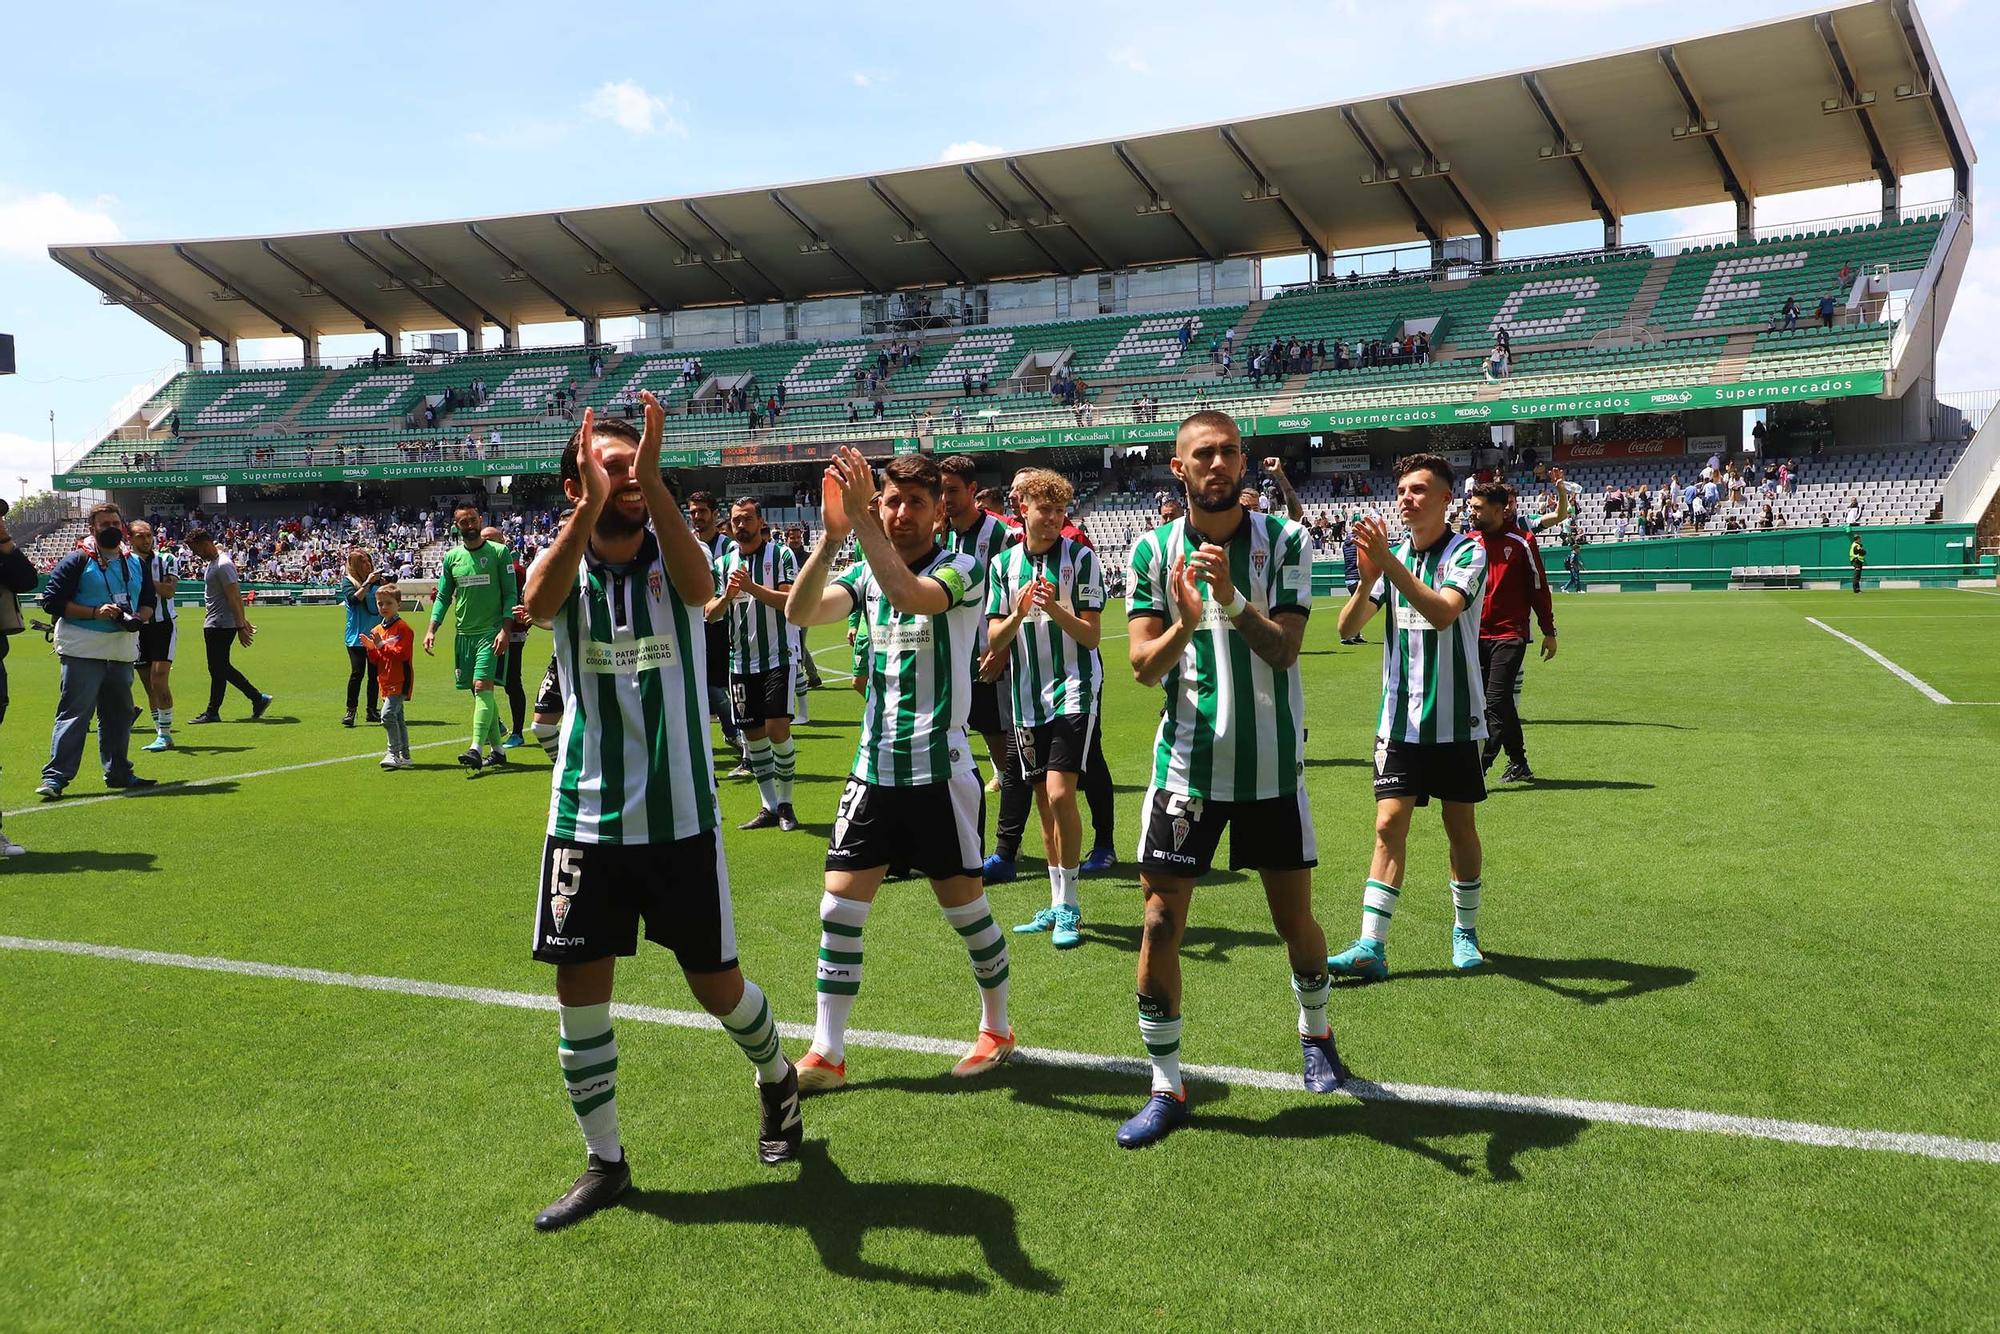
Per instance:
{"type": "Point", "coordinates": [84, 859]}
{"type": "Point", "coordinates": [1338, 762]}
{"type": "Point", "coordinates": [1586, 981]}
{"type": "Point", "coordinates": [171, 788]}
{"type": "Point", "coordinates": [1409, 1126]}
{"type": "Point", "coordinates": [1570, 785]}
{"type": "Point", "coordinates": [184, 749]}
{"type": "Point", "coordinates": [838, 1212]}
{"type": "Point", "coordinates": [1603, 722]}
{"type": "Point", "coordinates": [1202, 944]}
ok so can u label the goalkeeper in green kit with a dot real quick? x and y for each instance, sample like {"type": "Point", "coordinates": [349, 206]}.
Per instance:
{"type": "Point", "coordinates": [478, 577]}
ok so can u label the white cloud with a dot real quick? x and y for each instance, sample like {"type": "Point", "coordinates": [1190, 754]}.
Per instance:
{"type": "Point", "coordinates": [632, 109]}
{"type": "Point", "coordinates": [1465, 17]}
{"type": "Point", "coordinates": [29, 224]}
{"type": "Point", "coordinates": [1128, 57]}
{"type": "Point", "coordinates": [27, 456]}
{"type": "Point", "coordinates": [1967, 358]}
{"type": "Point", "coordinates": [968, 148]}
{"type": "Point", "coordinates": [861, 80]}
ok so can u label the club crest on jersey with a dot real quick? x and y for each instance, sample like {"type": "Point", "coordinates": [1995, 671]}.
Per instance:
{"type": "Point", "coordinates": [1257, 559]}
{"type": "Point", "coordinates": [559, 910]}
{"type": "Point", "coordinates": [1181, 828]}
{"type": "Point", "coordinates": [655, 582]}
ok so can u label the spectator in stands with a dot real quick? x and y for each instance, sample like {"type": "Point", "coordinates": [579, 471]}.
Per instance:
{"type": "Point", "coordinates": [1846, 274]}
{"type": "Point", "coordinates": [1768, 519]}
{"type": "Point", "coordinates": [100, 596]}
{"type": "Point", "coordinates": [985, 383]}
{"type": "Point", "coordinates": [965, 385]}
{"type": "Point", "coordinates": [1826, 311]}
{"type": "Point", "coordinates": [1790, 314]}
{"type": "Point", "coordinates": [1496, 360]}
{"type": "Point", "coordinates": [1170, 509]}
{"type": "Point", "coordinates": [1853, 511]}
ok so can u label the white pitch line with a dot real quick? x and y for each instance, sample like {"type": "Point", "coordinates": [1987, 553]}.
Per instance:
{"type": "Point", "coordinates": [71, 803]}
{"type": "Point", "coordinates": [1947, 1147]}
{"type": "Point", "coordinates": [1907, 679]}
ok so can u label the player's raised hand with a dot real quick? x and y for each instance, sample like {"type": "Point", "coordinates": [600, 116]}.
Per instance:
{"type": "Point", "coordinates": [739, 578]}
{"type": "Point", "coordinates": [832, 513]}
{"type": "Point", "coordinates": [1274, 466]}
{"type": "Point", "coordinates": [590, 472]}
{"type": "Point", "coordinates": [1186, 590]}
{"type": "Point", "coordinates": [857, 484]}
{"type": "Point", "coordinates": [1371, 547]}
{"type": "Point", "coordinates": [1211, 566]}
{"type": "Point", "coordinates": [649, 439]}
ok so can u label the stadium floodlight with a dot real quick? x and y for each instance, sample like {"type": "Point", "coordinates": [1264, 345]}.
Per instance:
{"type": "Point", "coordinates": [1907, 91]}
{"type": "Point", "coordinates": [1833, 106]}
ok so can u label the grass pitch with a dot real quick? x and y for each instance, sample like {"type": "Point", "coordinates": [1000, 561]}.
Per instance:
{"type": "Point", "coordinates": [1757, 878]}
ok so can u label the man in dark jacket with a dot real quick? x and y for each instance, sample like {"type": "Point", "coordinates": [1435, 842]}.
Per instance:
{"type": "Point", "coordinates": [100, 596]}
{"type": "Point", "coordinates": [17, 576]}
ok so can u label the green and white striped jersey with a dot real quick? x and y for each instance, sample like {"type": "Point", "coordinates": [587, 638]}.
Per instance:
{"type": "Point", "coordinates": [919, 674]}
{"type": "Point", "coordinates": [1052, 674]}
{"type": "Point", "coordinates": [632, 764]}
{"type": "Point", "coordinates": [1233, 728]}
{"type": "Point", "coordinates": [1432, 691]}
{"type": "Point", "coordinates": [988, 536]}
{"type": "Point", "coordinates": [759, 637]}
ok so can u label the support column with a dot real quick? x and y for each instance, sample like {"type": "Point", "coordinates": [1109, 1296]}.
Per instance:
{"type": "Point", "coordinates": [192, 351]}
{"type": "Point", "coordinates": [1746, 210]}
{"type": "Point", "coordinates": [510, 337]}
{"type": "Point", "coordinates": [1892, 201]}
{"type": "Point", "coordinates": [311, 346]}
{"type": "Point", "coordinates": [1437, 252]}
{"type": "Point", "coordinates": [231, 352]}
{"type": "Point", "coordinates": [590, 332]}
{"type": "Point", "coordinates": [1614, 233]}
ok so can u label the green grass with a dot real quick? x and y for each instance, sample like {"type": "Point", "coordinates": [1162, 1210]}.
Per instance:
{"type": "Point", "coordinates": [1757, 879]}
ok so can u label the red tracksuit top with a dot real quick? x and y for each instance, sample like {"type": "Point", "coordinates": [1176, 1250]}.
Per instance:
{"type": "Point", "coordinates": [1515, 580]}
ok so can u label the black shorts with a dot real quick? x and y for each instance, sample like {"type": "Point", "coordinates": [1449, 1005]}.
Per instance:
{"type": "Point", "coordinates": [593, 894]}
{"type": "Point", "coordinates": [1062, 744]}
{"type": "Point", "coordinates": [548, 699]}
{"type": "Point", "coordinates": [1181, 834]}
{"type": "Point", "coordinates": [934, 829]}
{"type": "Point", "coordinates": [757, 697]}
{"type": "Point", "coordinates": [719, 651]}
{"type": "Point", "coordinates": [1448, 770]}
{"type": "Point", "coordinates": [982, 715]}
{"type": "Point", "coordinates": [156, 641]}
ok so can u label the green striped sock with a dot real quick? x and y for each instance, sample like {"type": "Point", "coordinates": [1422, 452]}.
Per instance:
{"type": "Point", "coordinates": [1162, 1035]}
{"type": "Point", "coordinates": [1465, 903]}
{"type": "Point", "coordinates": [987, 946]}
{"type": "Point", "coordinates": [784, 766]}
{"type": "Point", "coordinates": [839, 974]}
{"type": "Point", "coordinates": [1312, 991]}
{"type": "Point", "coordinates": [763, 769]}
{"type": "Point", "coordinates": [589, 1055]}
{"type": "Point", "coordinates": [751, 1026]}
{"type": "Point", "coordinates": [1378, 905]}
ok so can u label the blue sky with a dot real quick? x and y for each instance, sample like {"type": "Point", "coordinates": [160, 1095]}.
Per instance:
{"type": "Point", "coordinates": [168, 121]}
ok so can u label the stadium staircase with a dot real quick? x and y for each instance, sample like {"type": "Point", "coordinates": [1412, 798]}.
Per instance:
{"type": "Point", "coordinates": [1735, 356]}
{"type": "Point", "coordinates": [1649, 291]}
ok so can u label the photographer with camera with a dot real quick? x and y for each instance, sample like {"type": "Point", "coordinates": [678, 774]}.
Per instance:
{"type": "Point", "coordinates": [17, 576]}
{"type": "Point", "coordinates": [101, 596]}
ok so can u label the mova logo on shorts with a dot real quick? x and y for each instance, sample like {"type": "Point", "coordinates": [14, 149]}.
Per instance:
{"type": "Point", "coordinates": [1178, 858]}
{"type": "Point", "coordinates": [564, 942]}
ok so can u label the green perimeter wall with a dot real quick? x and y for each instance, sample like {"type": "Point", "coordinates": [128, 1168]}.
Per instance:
{"type": "Point", "coordinates": [1933, 554]}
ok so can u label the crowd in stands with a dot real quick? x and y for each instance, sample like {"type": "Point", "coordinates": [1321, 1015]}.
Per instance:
{"type": "Point", "coordinates": [154, 462]}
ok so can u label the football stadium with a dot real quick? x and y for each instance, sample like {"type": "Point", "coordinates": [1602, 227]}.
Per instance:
{"type": "Point", "coordinates": [1084, 530]}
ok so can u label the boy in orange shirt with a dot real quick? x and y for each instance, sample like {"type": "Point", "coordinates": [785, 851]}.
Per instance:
{"type": "Point", "coordinates": [390, 647]}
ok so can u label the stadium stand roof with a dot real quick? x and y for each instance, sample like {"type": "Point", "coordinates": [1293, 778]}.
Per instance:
{"type": "Point", "coordinates": [1847, 92]}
